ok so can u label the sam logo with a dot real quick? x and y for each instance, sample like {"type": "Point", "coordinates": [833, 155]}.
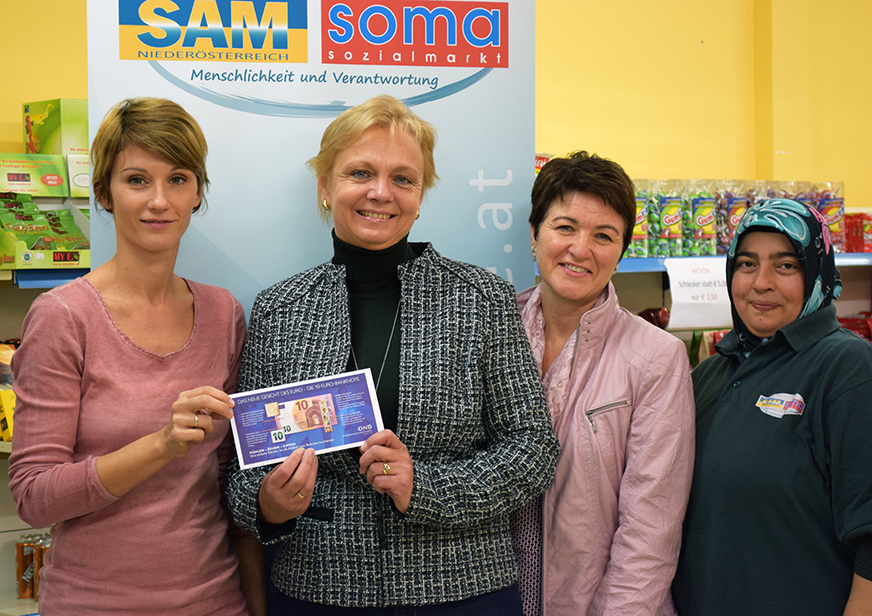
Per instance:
{"type": "Point", "coordinates": [213, 30]}
{"type": "Point", "coordinates": [779, 405]}
{"type": "Point", "coordinates": [405, 33]}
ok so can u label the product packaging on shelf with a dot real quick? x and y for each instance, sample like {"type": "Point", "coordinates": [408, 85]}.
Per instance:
{"type": "Point", "coordinates": [541, 159]}
{"type": "Point", "coordinates": [860, 324]}
{"type": "Point", "coordinates": [39, 175]}
{"type": "Point", "coordinates": [639, 243]}
{"type": "Point", "coordinates": [30, 554]}
{"type": "Point", "coordinates": [31, 238]}
{"type": "Point", "coordinates": [41, 546]}
{"type": "Point", "coordinates": [732, 198]}
{"type": "Point", "coordinates": [58, 126]}
{"type": "Point", "coordinates": [18, 204]}
{"type": "Point", "coordinates": [7, 411]}
{"type": "Point", "coordinates": [800, 190]}
{"type": "Point", "coordinates": [703, 343]}
{"type": "Point", "coordinates": [664, 218]}
{"type": "Point", "coordinates": [24, 567]}
{"type": "Point", "coordinates": [6, 351]}
{"type": "Point", "coordinates": [858, 232]}
{"type": "Point", "coordinates": [831, 205]}
{"type": "Point", "coordinates": [698, 219]}
{"type": "Point", "coordinates": [79, 172]}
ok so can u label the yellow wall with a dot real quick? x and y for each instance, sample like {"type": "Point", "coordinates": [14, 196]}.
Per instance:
{"type": "Point", "coordinates": [43, 55]}
{"type": "Point", "coordinates": [840, 92]}
{"type": "Point", "coordinates": [665, 88]}
{"type": "Point", "coordinates": [750, 89]}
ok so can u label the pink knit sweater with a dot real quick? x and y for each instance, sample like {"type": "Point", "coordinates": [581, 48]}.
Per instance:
{"type": "Point", "coordinates": [84, 389]}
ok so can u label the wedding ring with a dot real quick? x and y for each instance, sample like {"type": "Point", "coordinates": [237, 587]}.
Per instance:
{"type": "Point", "coordinates": [301, 496]}
{"type": "Point", "coordinates": [386, 468]}
{"type": "Point", "coordinates": [196, 419]}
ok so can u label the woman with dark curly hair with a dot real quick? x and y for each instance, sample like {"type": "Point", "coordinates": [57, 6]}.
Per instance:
{"type": "Point", "coordinates": [604, 539]}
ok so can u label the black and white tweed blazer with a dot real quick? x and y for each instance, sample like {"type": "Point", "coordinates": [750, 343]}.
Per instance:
{"type": "Point", "coordinates": [472, 414]}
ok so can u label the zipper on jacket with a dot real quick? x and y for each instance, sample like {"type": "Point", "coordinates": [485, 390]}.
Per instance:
{"type": "Point", "coordinates": [607, 407]}
{"type": "Point", "coordinates": [578, 334]}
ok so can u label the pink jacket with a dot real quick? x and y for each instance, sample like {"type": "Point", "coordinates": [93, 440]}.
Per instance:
{"type": "Point", "coordinates": [621, 403]}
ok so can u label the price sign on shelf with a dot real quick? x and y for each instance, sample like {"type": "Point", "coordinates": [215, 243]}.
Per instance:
{"type": "Point", "coordinates": [699, 293]}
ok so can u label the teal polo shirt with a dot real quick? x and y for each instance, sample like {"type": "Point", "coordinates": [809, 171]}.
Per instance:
{"type": "Point", "coordinates": [782, 485]}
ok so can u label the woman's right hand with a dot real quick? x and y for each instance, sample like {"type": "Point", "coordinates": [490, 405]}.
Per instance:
{"type": "Point", "coordinates": [193, 417]}
{"type": "Point", "coordinates": [286, 491]}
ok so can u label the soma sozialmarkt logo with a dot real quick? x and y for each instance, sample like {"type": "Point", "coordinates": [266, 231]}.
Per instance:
{"type": "Point", "coordinates": [422, 33]}
{"type": "Point", "coordinates": [360, 32]}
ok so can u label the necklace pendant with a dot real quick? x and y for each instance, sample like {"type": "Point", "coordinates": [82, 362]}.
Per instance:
{"type": "Point", "coordinates": [387, 350]}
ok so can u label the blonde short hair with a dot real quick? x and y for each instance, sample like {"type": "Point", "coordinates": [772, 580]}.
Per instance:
{"type": "Point", "coordinates": [383, 111]}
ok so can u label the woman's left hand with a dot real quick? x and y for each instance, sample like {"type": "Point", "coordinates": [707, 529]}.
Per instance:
{"type": "Point", "coordinates": [388, 467]}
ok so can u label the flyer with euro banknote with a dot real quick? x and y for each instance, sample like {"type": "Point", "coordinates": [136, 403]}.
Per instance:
{"type": "Point", "coordinates": [325, 414]}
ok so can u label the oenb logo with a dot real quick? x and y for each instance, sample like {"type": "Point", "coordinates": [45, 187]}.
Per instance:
{"type": "Point", "coordinates": [428, 33]}
{"type": "Point", "coordinates": [213, 30]}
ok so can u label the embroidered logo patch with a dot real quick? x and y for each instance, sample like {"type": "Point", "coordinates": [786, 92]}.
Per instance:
{"type": "Point", "coordinates": [779, 405]}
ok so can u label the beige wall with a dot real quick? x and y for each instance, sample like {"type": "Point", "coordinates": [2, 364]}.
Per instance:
{"type": "Point", "coordinates": [752, 89]}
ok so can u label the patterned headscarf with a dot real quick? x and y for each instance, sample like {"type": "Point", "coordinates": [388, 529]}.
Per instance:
{"type": "Point", "coordinates": [809, 235]}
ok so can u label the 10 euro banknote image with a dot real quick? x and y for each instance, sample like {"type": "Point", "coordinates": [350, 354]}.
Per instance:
{"type": "Point", "coordinates": [325, 414]}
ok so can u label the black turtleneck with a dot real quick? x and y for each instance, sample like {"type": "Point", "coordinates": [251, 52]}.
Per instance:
{"type": "Point", "coordinates": [373, 301]}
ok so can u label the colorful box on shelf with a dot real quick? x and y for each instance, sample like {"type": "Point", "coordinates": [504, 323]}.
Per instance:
{"type": "Point", "coordinates": [80, 175]}
{"type": "Point", "coordinates": [16, 255]}
{"type": "Point", "coordinates": [39, 175]}
{"type": "Point", "coordinates": [58, 126]}
{"type": "Point", "coordinates": [6, 352]}
{"type": "Point", "coordinates": [7, 411]}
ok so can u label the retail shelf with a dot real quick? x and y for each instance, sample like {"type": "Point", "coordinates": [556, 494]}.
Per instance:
{"type": "Point", "coordinates": [658, 264]}
{"type": "Point", "coordinates": [46, 278]}
{"type": "Point", "coordinates": [649, 264]}
{"type": "Point", "coordinates": [10, 605]}
{"type": "Point", "coordinates": [852, 259]}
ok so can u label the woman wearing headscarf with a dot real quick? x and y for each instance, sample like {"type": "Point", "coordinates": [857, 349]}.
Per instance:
{"type": "Point", "coordinates": [780, 511]}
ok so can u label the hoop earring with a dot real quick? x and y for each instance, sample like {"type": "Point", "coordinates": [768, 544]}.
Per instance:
{"type": "Point", "coordinates": [325, 205]}
{"type": "Point", "coordinates": [418, 215]}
